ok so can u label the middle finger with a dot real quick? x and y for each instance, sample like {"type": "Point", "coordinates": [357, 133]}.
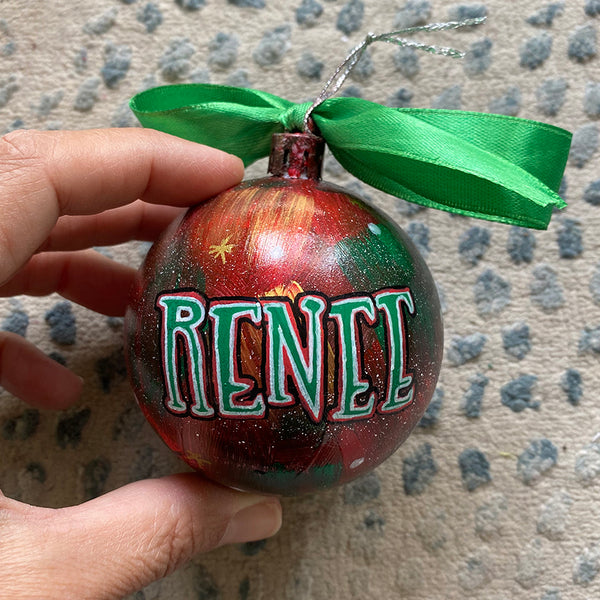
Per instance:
{"type": "Point", "coordinates": [136, 221]}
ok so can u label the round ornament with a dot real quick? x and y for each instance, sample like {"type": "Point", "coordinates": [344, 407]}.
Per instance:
{"type": "Point", "coordinates": [284, 336]}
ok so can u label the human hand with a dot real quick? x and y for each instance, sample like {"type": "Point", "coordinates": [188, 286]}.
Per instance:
{"type": "Point", "coordinates": [60, 194]}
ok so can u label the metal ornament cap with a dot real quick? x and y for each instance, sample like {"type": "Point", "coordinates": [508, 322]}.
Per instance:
{"type": "Point", "coordinates": [296, 155]}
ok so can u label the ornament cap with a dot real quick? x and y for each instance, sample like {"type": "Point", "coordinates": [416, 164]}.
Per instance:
{"type": "Point", "coordinates": [296, 155]}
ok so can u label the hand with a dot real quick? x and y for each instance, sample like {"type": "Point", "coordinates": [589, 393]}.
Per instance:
{"type": "Point", "coordinates": [60, 194]}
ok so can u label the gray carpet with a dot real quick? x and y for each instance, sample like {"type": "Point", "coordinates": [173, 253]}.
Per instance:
{"type": "Point", "coordinates": [494, 495]}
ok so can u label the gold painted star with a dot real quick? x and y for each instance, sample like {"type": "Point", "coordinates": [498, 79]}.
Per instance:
{"type": "Point", "coordinates": [222, 249]}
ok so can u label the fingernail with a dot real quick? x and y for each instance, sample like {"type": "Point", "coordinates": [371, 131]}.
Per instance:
{"type": "Point", "coordinates": [253, 523]}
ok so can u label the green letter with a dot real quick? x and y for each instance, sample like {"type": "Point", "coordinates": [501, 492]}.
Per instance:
{"type": "Point", "coordinates": [182, 314]}
{"type": "Point", "coordinates": [350, 385]}
{"type": "Point", "coordinates": [229, 385]}
{"type": "Point", "coordinates": [389, 302]}
{"type": "Point", "coordinates": [286, 354]}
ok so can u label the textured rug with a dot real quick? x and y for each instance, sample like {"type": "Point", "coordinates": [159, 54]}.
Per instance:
{"type": "Point", "coordinates": [495, 494]}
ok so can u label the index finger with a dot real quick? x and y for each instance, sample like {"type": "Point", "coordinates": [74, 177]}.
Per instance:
{"type": "Point", "coordinates": [44, 175]}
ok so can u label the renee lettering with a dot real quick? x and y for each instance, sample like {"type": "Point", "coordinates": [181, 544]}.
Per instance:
{"type": "Point", "coordinates": [202, 364]}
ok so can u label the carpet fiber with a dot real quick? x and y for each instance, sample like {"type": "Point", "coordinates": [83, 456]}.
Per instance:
{"type": "Point", "coordinates": [494, 495]}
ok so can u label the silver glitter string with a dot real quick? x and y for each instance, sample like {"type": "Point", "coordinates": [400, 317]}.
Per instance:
{"type": "Point", "coordinates": [335, 82]}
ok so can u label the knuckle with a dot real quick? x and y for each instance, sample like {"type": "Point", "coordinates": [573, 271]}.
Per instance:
{"type": "Point", "coordinates": [21, 157]}
{"type": "Point", "coordinates": [19, 145]}
{"type": "Point", "coordinates": [176, 538]}
{"type": "Point", "coordinates": [22, 174]}
{"type": "Point", "coordinates": [172, 546]}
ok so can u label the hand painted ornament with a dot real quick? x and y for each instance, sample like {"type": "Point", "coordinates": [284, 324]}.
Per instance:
{"type": "Point", "coordinates": [284, 336]}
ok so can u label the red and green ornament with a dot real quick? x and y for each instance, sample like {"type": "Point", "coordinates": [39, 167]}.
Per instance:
{"type": "Point", "coordinates": [285, 336]}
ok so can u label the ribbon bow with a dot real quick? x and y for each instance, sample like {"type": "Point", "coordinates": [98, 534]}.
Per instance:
{"type": "Point", "coordinates": [488, 166]}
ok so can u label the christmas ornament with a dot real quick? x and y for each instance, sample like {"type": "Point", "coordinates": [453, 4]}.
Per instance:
{"type": "Point", "coordinates": [284, 336]}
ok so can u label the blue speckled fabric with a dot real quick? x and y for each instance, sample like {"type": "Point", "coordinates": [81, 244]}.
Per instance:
{"type": "Point", "coordinates": [495, 494]}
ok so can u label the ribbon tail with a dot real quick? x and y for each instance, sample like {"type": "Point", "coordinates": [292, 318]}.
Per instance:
{"type": "Point", "coordinates": [487, 166]}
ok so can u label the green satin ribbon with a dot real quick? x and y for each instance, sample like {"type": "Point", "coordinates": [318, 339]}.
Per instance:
{"type": "Point", "coordinates": [482, 165]}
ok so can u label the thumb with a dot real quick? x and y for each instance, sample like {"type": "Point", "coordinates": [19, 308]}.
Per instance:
{"type": "Point", "coordinates": [118, 543]}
